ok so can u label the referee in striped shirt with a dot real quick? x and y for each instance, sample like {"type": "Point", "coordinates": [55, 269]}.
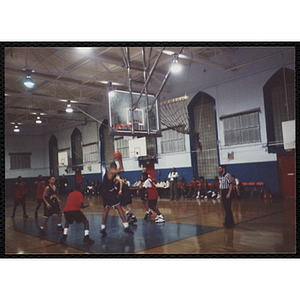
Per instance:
{"type": "Point", "coordinates": [225, 187]}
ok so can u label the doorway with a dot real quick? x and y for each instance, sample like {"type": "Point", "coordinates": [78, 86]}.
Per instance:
{"type": "Point", "coordinates": [287, 174]}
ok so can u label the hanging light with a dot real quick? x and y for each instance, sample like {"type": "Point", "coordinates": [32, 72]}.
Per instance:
{"type": "Point", "coordinates": [176, 67]}
{"type": "Point", "coordinates": [16, 129]}
{"type": "Point", "coordinates": [29, 82]}
{"type": "Point", "coordinates": [38, 120]}
{"type": "Point", "coordinates": [69, 108]}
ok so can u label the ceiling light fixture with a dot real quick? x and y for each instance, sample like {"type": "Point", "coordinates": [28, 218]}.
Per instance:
{"type": "Point", "coordinates": [38, 120]}
{"type": "Point", "coordinates": [84, 49]}
{"type": "Point", "coordinates": [16, 129]}
{"type": "Point", "coordinates": [176, 67]}
{"type": "Point", "coordinates": [69, 108]}
{"type": "Point", "coordinates": [28, 81]}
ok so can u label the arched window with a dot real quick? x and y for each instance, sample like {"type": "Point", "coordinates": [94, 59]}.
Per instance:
{"type": "Point", "coordinates": [106, 145]}
{"type": "Point", "coordinates": [279, 98]}
{"type": "Point", "coordinates": [53, 156]}
{"type": "Point", "coordinates": [203, 118]}
{"type": "Point", "coordinates": [76, 144]}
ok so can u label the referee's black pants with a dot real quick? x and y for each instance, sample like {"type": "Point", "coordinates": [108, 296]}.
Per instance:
{"type": "Point", "coordinates": [173, 190]}
{"type": "Point", "coordinates": [229, 222]}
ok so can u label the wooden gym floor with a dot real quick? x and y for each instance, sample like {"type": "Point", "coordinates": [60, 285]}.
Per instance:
{"type": "Point", "coordinates": [192, 228]}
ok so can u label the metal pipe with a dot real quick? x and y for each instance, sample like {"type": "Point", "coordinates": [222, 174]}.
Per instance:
{"type": "Point", "coordinates": [146, 89]}
{"type": "Point", "coordinates": [124, 59]}
{"type": "Point", "coordinates": [149, 77]}
{"type": "Point", "coordinates": [88, 114]}
{"type": "Point", "coordinates": [130, 88]}
{"type": "Point", "coordinates": [165, 80]}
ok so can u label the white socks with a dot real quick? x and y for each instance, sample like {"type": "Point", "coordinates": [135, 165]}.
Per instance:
{"type": "Point", "coordinates": [86, 232]}
{"type": "Point", "coordinates": [125, 225]}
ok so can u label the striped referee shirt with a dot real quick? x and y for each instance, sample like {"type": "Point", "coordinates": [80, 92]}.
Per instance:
{"type": "Point", "coordinates": [225, 181]}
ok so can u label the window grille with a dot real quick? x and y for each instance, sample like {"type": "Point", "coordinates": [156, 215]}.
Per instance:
{"type": "Point", "coordinates": [76, 141]}
{"type": "Point", "coordinates": [122, 145]}
{"type": "Point", "coordinates": [172, 141]}
{"type": "Point", "coordinates": [205, 124]}
{"type": "Point", "coordinates": [242, 129]}
{"type": "Point", "coordinates": [20, 161]}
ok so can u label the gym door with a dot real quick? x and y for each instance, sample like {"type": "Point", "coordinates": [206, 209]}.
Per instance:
{"type": "Point", "coordinates": [150, 170]}
{"type": "Point", "coordinates": [287, 173]}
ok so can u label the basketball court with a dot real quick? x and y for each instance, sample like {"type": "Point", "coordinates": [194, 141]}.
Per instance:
{"type": "Point", "coordinates": [192, 228]}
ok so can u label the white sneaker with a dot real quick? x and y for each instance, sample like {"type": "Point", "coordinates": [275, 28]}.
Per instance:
{"type": "Point", "coordinates": [197, 197]}
{"type": "Point", "coordinates": [205, 197]}
{"type": "Point", "coordinates": [160, 219]}
{"type": "Point", "coordinates": [213, 194]}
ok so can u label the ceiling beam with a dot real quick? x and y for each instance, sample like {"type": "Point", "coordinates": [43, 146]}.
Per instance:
{"type": "Point", "coordinates": [42, 97]}
{"type": "Point", "coordinates": [199, 60]}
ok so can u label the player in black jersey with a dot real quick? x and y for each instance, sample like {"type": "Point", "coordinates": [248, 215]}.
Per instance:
{"type": "Point", "coordinates": [126, 199]}
{"type": "Point", "coordinates": [143, 193]}
{"type": "Point", "coordinates": [51, 206]}
{"type": "Point", "coordinates": [110, 194]}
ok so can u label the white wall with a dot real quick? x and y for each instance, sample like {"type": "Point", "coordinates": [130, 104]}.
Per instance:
{"type": "Point", "coordinates": [176, 159]}
{"type": "Point", "coordinates": [240, 91]}
{"type": "Point", "coordinates": [90, 135]}
{"type": "Point", "coordinates": [36, 145]}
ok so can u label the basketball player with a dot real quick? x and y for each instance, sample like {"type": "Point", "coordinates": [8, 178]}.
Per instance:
{"type": "Point", "coordinates": [72, 213]}
{"type": "Point", "coordinates": [110, 194]}
{"type": "Point", "coordinates": [20, 197]}
{"type": "Point", "coordinates": [39, 188]}
{"type": "Point", "coordinates": [125, 200]}
{"type": "Point", "coordinates": [153, 195]}
{"type": "Point", "coordinates": [143, 193]}
{"type": "Point", "coordinates": [51, 207]}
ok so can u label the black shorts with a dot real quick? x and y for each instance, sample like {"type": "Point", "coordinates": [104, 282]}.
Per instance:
{"type": "Point", "coordinates": [125, 198]}
{"type": "Point", "coordinates": [54, 210]}
{"type": "Point", "coordinates": [74, 215]}
{"type": "Point", "coordinates": [18, 201]}
{"type": "Point", "coordinates": [144, 194]}
{"type": "Point", "coordinates": [110, 199]}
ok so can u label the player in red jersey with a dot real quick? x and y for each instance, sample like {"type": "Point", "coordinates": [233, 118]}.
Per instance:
{"type": "Point", "coordinates": [20, 196]}
{"type": "Point", "coordinates": [152, 196]}
{"type": "Point", "coordinates": [73, 213]}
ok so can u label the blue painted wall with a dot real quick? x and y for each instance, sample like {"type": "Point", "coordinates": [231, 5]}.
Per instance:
{"type": "Point", "coordinates": [263, 171]}
{"type": "Point", "coordinates": [266, 172]}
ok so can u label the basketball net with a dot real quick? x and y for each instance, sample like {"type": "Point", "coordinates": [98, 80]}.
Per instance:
{"type": "Point", "coordinates": [174, 115]}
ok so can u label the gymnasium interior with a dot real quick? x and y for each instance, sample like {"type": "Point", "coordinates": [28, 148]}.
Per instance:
{"type": "Point", "coordinates": [232, 104]}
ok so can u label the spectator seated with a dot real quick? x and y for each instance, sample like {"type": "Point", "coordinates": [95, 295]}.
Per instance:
{"type": "Point", "coordinates": [182, 191]}
{"type": "Point", "coordinates": [202, 189]}
{"type": "Point", "coordinates": [192, 187]}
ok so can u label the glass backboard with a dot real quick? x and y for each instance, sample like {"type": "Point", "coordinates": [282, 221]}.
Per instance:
{"type": "Point", "coordinates": [133, 115]}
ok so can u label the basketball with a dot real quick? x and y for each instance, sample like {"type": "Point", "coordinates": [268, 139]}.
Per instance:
{"type": "Point", "coordinates": [117, 154]}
